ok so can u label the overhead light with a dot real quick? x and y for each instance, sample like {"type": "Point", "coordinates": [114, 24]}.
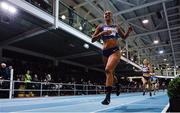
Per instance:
{"type": "Point", "coordinates": [132, 59]}
{"type": "Point", "coordinates": [165, 59]}
{"type": "Point", "coordinates": [156, 41]}
{"type": "Point", "coordinates": [12, 9]}
{"type": "Point", "coordinates": [145, 21]}
{"type": "Point", "coordinates": [161, 52]}
{"type": "Point", "coordinates": [167, 64]}
{"type": "Point", "coordinates": [8, 7]}
{"type": "Point", "coordinates": [123, 54]}
{"type": "Point", "coordinates": [80, 27]}
{"type": "Point", "coordinates": [4, 6]}
{"type": "Point", "coordinates": [86, 46]}
{"type": "Point", "coordinates": [63, 17]}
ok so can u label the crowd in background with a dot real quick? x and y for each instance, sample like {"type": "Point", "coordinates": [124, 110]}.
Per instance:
{"type": "Point", "coordinates": [47, 72]}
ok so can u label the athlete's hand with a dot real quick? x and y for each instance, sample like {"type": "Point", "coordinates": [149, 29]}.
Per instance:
{"type": "Point", "coordinates": [130, 29]}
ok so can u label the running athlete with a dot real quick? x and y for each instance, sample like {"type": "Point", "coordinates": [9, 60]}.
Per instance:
{"type": "Point", "coordinates": [109, 33]}
{"type": "Point", "coordinates": [147, 72]}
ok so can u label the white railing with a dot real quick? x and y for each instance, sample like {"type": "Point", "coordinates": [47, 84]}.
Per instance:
{"type": "Point", "coordinates": [13, 88]}
{"type": "Point", "coordinates": [167, 72]}
{"type": "Point", "coordinates": [39, 89]}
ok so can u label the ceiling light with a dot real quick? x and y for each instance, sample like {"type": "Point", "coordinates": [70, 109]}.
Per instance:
{"type": "Point", "coordinates": [156, 41]}
{"type": "Point", "coordinates": [165, 59]}
{"type": "Point", "coordinates": [145, 21]}
{"type": "Point", "coordinates": [132, 59]}
{"type": "Point", "coordinates": [167, 64]}
{"type": "Point", "coordinates": [4, 5]}
{"type": "Point", "coordinates": [123, 54]}
{"type": "Point", "coordinates": [86, 46]}
{"type": "Point", "coordinates": [80, 27]}
{"type": "Point", "coordinates": [63, 17]}
{"type": "Point", "coordinates": [12, 9]}
{"type": "Point", "coordinates": [8, 7]}
{"type": "Point", "coordinates": [161, 52]}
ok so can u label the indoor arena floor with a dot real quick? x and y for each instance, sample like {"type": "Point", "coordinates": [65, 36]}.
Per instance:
{"type": "Point", "coordinates": [126, 102]}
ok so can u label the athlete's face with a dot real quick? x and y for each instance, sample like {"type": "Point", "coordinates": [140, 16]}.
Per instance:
{"type": "Point", "coordinates": [145, 61]}
{"type": "Point", "coordinates": [108, 15]}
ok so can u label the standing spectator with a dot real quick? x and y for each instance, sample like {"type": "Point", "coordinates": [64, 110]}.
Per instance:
{"type": "Point", "coordinates": [71, 15]}
{"type": "Point", "coordinates": [83, 24]}
{"type": "Point", "coordinates": [4, 72]}
{"type": "Point", "coordinates": [163, 86]}
{"type": "Point", "coordinates": [93, 28]}
{"type": "Point", "coordinates": [4, 75]}
{"type": "Point", "coordinates": [27, 81]}
{"type": "Point", "coordinates": [35, 78]}
{"type": "Point", "coordinates": [47, 80]}
{"type": "Point", "coordinates": [35, 85]}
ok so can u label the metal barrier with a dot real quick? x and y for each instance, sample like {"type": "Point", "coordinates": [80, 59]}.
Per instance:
{"type": "Point", "coordinates": [169, 72]}
{"type": "Point", "coordinates": [39, 89]}
{"type": "Point", "coordinates": [11, 88]}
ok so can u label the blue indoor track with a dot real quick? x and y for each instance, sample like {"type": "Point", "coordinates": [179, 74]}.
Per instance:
{"type": "Point", "coordinates": [131, 102]}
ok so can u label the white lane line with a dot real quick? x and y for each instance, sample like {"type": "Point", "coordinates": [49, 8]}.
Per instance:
{"type": "Point", "coordinates": [118, 105]}
{"type": "Point", "coordinates": [121, 105]}
{"type": "Point", "coordinates": [165, 108]}
{"type": "Point", "coordinates": [32, 101]}
{"type": "Point", "coordinates": [48, 100]}
{"type": "Point", "coordinates": [126, 98]}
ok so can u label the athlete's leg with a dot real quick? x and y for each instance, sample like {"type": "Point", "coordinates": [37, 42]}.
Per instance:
{"type": "Point", "coordinates": [144, 81]}
{"type": "Point", "coordinates": [111, 64]}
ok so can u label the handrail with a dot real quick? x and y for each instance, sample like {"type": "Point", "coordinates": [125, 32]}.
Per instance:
{"type": "Point", "coordinates": [55, 89]}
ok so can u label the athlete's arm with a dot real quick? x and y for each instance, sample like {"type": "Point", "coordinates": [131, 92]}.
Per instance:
{"type": "Point", "coordinates": [122, 33]}
{"type": "Point", "coordinates": [97, 34]}
{"type": "Point", "coordinates": [150, 69]}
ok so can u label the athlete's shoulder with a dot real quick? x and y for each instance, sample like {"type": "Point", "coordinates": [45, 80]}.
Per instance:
{"type": "Point", "coordinates": [100, 26]}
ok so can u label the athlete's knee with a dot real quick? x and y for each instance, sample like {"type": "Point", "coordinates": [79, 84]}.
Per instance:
{"type": "Point", "coordinates": [108, 71]}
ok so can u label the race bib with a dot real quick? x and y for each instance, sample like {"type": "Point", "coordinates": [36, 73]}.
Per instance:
{"type": "Point", "coordinates": [114, 31]}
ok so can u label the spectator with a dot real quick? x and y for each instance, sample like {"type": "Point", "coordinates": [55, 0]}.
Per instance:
{"type": "Point", "coordinates": [35, 78]}
{"type": "Point", "coordinates": [48, 78]}
{"type": "Point", "coordinates": [4, 75]}
{"type": "Point", "coordinates": [47, 85]}
{"type": "Point", "coordinates": [36, 85]}
{"type": "Point", "coordinates": [27, 81]}
{"type": "Point", "coordinates": [4, 72]}
{"type": "Point", "coordinates": [71, 15]}
{"type": "Point", "coordinates": [83, 24]}
{"type": "Point", "coordinates": [93, 28]}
